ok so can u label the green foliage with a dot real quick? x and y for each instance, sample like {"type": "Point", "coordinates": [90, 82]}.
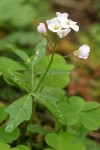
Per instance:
{"type": "Point", "coordinates": [91, 145]}
{"type": "Point", "coordinates": [17, 19]}
{"type": "Point", "coordinates": [22, 147]}
{"type": "Point", "coordinates": [40, 51]}
{"type": "Point", "coordinates": [16, 12]}
{"type": "Point", "coordinates": [63, 141]}
{"type": "Point", "coordinates": [8, 137]}
{"type": "Point", "coordinates": [8, 65]}
{"type": "Point", "coordinates": [9, 68]}
{"type": "Point", "coordinates": [3, 114]}
{"type": "Point", "coordinates": [5, 146]}
{"type": "Point", "coordinates": [47, 100]}
{"type": "Point", "coordinates": [19, 111]}
{"type": "Point", "coordinates": [18, 79]}
{"type": "Point", "coordinates": [21, 38]}
{"type": "Point", "coordinates": [78, 110]}
{"type": "Point", "coordinates": [21, 54]}
{"type": "Point", "coordinates": [37, 129]}
{"type": "Point", "coordinates": [56, 92]}
{"type": "Point", "coordinates": [58, 74]}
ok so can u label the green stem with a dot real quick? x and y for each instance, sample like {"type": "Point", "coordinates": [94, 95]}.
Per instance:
{"type": "Point", "coordinates": [49, 41]}
{"type": "Point", "coordinates": [46, 71]}
{"type": "Point", "coordinates": [32, 77]}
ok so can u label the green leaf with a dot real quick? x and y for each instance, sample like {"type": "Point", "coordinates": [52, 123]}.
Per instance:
{"type": "Point", "coordinates": [58, 75]}
{"type": "Point", "coordinates": [22, 147]}
{"type": "Point", "coordinates": [63, 141]}
{"type": "Point", "coordinates": [70, 112]}
{"type": "Point", "coordinates": [8, 137]}
{"type": "Point", "coordinates": [19, 79]}
{"type": "Point", "coordinates": [56, 92]}
{"type": "Point", "coordinates": [19, 111]}
{"type": "Point", "coordinates": [3, 114]}
{"type": "Point", "coordinates": [77, 110]}
{"type": "Point", "coordinates": [76, 101]}
{"type": "Point", "coordinates": [4, 146]}
{"type": "Point", "coordinates": [21, 37]}
{"type": "Point", "coordinates": [48, 149]}
{"type": "Point", "coordinates": [48, 101]}
{"type": "Point", "coordinates": [14, 149]}
{"type": "Point", "coordinates": [91, 105]}
{"type": "Point", "coordinates": [88, 122]}
{"type": "Point", "coordinates": [40, 51]}
{"type": "Point", "coordinates": [8, 65]}
{"type": "Point", "coordinates": [23, 55]}
{"type": "Point", "coordinates": [91, 144]}
{"type": "Point", "coordinates": [37, 129]}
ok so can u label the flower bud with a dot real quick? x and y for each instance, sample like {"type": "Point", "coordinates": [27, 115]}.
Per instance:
{"type": "Point", "coordinates": [83, 51]}
{"type": "Point", "coordinates": [41, 28]}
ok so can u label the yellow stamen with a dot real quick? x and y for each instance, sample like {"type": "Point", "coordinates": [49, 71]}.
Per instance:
{"type": "Point", "coordinates": [56, 27]}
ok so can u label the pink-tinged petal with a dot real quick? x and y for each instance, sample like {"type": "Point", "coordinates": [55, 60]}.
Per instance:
{"type": "Point", "coordinates": [41, 28]}
{"type": "Point", "coordinates": [83, 51]}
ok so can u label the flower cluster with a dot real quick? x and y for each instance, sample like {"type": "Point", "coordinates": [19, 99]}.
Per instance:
{"type": "Point", "coordinates": [60, 25]}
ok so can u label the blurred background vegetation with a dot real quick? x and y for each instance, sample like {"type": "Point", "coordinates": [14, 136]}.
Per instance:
{"type": "Point", "coordinates": [18, 23]}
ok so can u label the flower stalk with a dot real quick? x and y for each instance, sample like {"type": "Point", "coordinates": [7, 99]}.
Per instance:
{"type": "Point", "coordinates": [46, 71]}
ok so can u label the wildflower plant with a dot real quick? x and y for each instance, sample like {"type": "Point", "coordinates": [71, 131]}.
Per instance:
{"type": "Point", "coordinates": [43, 78]}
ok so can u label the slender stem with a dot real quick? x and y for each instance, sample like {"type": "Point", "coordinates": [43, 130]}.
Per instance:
{"type": "Point", "coordinates": [65, 56]}
{"type": "Point", "coordinates": [32, 76]}
{"type": "Point", "coordinates": [8, 92]}
{"type": "Point", "coordinates": [49, 41]}
{"type": "Point", "coordinates": [46, 71]}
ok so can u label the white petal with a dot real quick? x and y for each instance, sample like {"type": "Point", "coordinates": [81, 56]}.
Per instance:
{"type": "Point", "coordinates": [75, 27]}
{"type": "Point", "coordinates": [62, 14]}
{"type": "Point", "coordinates": [58, 14]}
{"type": "Point", "coordinates": [47, 22]}
{"type": "Point", "coordinates": [72, 22]}
{"type": "Point", "coordinates": [63, 33]}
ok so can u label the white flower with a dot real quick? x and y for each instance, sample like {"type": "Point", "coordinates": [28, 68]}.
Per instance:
{"type": "Point", "coordinates": [83, 51]}
{"type": "Point", "coordinates": [54, 25]}
{"type": "Point", "coordinates": [62, 14]}
{"type": "Point", "coordinates": [68, 23]}
{"type": "Point", "coordinates": [63, 33]}
{"type": "Point", "coordinates": [41, 28]}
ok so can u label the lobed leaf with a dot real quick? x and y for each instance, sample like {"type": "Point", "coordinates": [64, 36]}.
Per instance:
{"type": "Point", "coordinates": [3, 114]}
{"type": "Point", "coordinates": [4, 146]}
{"type": "Point", "coordinates": [77, 110]}
{"type": "Point", "coordinates": [63, 141]}
{"type": "Point", "coordinates": [22, 147]}
{"type": "Point", "coordinates": [8, 137]}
